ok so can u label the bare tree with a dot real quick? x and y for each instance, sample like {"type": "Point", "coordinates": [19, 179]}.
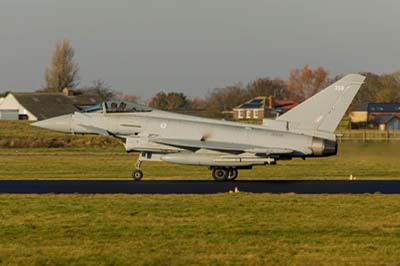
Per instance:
{"type": "Point", "coordinates": [305, 82]}
{"type": "Point", "coordinates": [267, 87]}
{"type": "Point", "coordinates": [101, 88]}
{"type": "Point", "coordinates": [159, 101]}
{"type": "Point", "coordinates": [197, 103]}
{"type": "Point", "coordinates": [225, 99]}
{"type": "Point", "coordinates": [169, 101]}
{"type": "Point", "coordinates": [129, 98]}
{"type": "Point", "coordinates": [63, 71]}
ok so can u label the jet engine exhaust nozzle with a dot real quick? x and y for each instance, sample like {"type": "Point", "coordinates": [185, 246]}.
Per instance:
{"type": "Point", "coordinates": [323, 147]}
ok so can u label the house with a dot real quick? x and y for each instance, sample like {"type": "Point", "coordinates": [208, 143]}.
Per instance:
{"type": "Point", "coordinates": [261, 107]}
{"type": "Point", "coordinates": [382, 116]}
{"type": "Point", "coordinates": [39, 105]}
{"type": "Point", "coordinates": [385, 122]}
{"type": "Point", "coordinates": [282, 106]}
{"type": "Point", "coordinates": [250, 110]}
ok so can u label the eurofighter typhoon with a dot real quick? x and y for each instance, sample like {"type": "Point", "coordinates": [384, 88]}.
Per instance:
{"type": "Point", "coordinates": [223, 146]}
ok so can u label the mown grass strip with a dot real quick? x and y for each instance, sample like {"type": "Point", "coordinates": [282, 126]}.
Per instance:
{"type": "Point", "coordinates": [362, 161]}
{"type": "Point", "coordinates": [224, 229]}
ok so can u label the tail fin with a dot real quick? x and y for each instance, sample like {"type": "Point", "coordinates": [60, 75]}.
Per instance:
{"type": "Point", "coordinates": [324, 110]}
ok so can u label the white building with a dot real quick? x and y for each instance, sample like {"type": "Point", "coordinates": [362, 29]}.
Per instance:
{"type": "Point", "coordinates": [10, 103]}
{"type": "Point", "coordinates": [38, 106]}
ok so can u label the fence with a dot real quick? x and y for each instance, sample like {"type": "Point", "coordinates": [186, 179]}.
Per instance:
{"type": "Point", "coordinates": [356, 135]}
{"type": "Point", "coordinates": [368, 135]}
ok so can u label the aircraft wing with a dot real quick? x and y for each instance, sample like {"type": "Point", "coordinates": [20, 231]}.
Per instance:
{"type": "Point", "coordinates": [220, 146]}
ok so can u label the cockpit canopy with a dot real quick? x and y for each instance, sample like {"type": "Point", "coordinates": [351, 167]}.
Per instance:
{"type": "Point", "coordinates": [98, 108]}
{"type": "Point", "coordinates": [117, 107]}
{"type": "Point", "coordinates": [125, 107]}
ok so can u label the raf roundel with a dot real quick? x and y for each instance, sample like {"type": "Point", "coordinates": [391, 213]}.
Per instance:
{"type": "Point", "coordinates": [163, 125]}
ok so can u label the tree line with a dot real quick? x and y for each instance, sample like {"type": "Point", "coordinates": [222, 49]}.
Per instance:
{"type": "Point", "coordinates": [301, 84]}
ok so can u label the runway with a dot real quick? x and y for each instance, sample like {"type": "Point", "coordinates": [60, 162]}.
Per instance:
{"type": "Point", "coordinates": [197, 187]}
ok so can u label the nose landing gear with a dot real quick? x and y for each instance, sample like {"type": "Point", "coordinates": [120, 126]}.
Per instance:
{"type": "Point", "coordinates": [137, 174]}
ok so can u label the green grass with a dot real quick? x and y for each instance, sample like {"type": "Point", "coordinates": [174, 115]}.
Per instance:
{"type": "Point", "coordinates": [364, 161]}
{"type": "Point", "coordinates": [20, 134]}
{"type": "Point", "coordinates": [224, 229]}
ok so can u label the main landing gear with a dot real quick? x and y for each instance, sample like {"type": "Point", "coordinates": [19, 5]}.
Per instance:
{"type": "Point", "coordinates": [224, 174]}
{"type": "Point", "coordinates": [219, 173]}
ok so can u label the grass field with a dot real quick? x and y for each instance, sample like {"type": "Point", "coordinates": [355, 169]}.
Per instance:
{"type": "Point", "coordinates": [225, 229]}
{"type": "Point", "coordinates": [364, 161]}
{"type": "Point", "coordinates": [20, 134]}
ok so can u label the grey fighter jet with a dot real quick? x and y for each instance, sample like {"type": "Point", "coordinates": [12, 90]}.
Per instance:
{"type": "Point", "coordinates": [223, 146]}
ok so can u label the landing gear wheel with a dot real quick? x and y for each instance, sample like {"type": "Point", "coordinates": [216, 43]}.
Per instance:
{"type": "Point", "coordinates": [137, 175]}
{"type": "Point", "coordinates": [220, 174]}
{"type": "Point", "coordinates": [233, 173]}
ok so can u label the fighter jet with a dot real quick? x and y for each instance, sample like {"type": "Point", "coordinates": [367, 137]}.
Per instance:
{"type": "Point", "coordinates": [308, 130]}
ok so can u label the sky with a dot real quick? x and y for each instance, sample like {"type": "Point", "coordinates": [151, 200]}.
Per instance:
{"type": "Point", "coordinates": [142, 47]}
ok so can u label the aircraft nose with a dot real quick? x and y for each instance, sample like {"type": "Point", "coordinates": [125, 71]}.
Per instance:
{"type": "Point", "coordinates": [60, 123]}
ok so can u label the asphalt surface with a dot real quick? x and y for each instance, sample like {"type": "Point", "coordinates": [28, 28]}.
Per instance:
{"type": "Point", "coordinates": [197, 187]}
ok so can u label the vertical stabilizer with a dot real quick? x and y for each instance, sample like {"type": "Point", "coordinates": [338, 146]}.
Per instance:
{"type": "Point", "coordinates": [324, 110]}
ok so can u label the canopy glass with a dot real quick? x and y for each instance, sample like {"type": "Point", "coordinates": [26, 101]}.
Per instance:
{"type": "Point", "coordinates": [117, 107]}
{"type": "Point", "coordinates": [125, 107]}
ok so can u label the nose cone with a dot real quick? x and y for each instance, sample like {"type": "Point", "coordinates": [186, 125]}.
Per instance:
{"type": "Point", "coordinates": [60, 123]}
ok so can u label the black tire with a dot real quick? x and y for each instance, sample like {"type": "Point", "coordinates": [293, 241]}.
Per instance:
{"type": "Point", "coordinates": [220, 174]}
{"type": "Point", "coordinates": [137, 175]}
{"type": "Point", "coordinates": [233, 173]}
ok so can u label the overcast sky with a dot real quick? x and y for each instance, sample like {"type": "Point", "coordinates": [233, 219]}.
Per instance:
{"type": "Point", "coordinates": [141, 47]}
